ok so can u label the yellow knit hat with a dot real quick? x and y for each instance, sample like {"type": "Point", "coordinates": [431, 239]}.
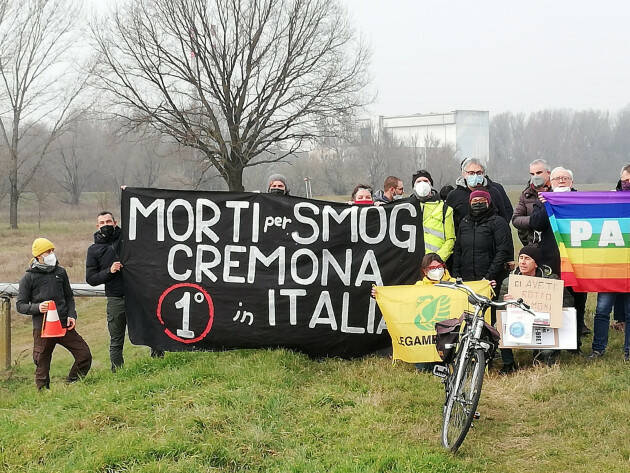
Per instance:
{"type": "Point", "coordinates": [40, 245]}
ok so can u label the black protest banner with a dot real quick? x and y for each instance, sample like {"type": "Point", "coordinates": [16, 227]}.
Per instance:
{"type": "Point", "coordinates": [220, 270]}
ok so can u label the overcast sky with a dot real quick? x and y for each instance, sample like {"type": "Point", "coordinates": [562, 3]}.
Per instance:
{"type": "Point", "coordinates": [496, 55]}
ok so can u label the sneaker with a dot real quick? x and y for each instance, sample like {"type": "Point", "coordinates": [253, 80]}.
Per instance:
{"type": "Point", "coordinates": [626, 356]}
{"type": "Point", "coordinates": [508, 369]}
{"type": "Point", "coordinates": [595, 354]}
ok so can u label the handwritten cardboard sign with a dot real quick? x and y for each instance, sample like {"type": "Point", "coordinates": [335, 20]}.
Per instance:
{"type": "Point", "coordinates": [542, 294]}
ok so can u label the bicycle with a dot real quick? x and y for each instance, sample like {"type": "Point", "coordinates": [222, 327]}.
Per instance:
{"type": "Point", "coordinates": [463, 376]}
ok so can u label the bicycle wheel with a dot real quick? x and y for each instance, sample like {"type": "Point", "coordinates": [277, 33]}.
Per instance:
{"type": "Point", "coordinates": [462, 402]}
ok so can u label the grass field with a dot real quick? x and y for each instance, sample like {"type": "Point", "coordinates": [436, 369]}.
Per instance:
{"type": "Point", "coordinates": [275, 410]}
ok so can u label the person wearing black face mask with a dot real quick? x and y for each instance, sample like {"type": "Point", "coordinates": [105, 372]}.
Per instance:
{"type": "Point", "coordinates": [483, 246]}
{"type": "Point", "coordinates": [484, 242]}
{"type": "Point", "coordinates": [277, 185]}
{"type": "Point", "coordinates": [103, 266]}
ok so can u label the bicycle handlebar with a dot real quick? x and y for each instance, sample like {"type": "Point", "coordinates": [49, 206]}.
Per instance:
{"type": "Point", "coordinates": [482, 300]}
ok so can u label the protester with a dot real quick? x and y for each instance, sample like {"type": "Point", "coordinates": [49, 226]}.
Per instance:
{"type": "Point", "coordinates": [45, 280]}
{"type": "Point", "coordinates": [539, 181]}
{"type": "Point", "coordinates": [362, 195]}
{"type": "Point", "coordinates": [437, 217]}
{"type": "Point", "coordinates": [473, 177]}
{"type": "Point", "coordinates": [277, 185]}
{"type": "Point", "coordinates": [103, 266]}
{"type": "Point", "coordinates": [445, 191]}
{"type": "Point", "coordinates": [529, 258]}
{"type": "Point", "coordinates": [606, 301]}
{"type": "Point", "coordinates": [561, 181]}
{"type": "Point", "coordinates": [483, 245]}
{"type": "Point", "coordinates": [392, 190]}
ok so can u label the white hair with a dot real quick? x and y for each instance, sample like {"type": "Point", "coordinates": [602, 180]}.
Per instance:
{"type": "Point", "coordinates": [468, 161]}
{"type": "Point", "coordinates": [560, 169]}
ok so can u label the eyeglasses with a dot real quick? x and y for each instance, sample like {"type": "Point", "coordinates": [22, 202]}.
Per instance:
{"type": "Point", "coordinates": [472, 173]}
{"type": "Point", "coordinates": [561, 178]}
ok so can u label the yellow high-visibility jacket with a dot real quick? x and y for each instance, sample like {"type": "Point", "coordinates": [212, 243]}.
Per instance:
{"type": "Point", "coordinates": [439, 229]}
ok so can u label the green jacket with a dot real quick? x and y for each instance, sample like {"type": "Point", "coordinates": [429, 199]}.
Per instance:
{"type": "Point", "coordinates": [439, 229]}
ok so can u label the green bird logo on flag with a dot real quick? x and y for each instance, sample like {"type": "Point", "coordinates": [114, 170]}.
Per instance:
{"type": "Point", "coordinates": [431, 310]}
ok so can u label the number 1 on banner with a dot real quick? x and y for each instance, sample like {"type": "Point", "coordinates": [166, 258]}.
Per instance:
{"type": "Point", "coordinates": [184, 304]}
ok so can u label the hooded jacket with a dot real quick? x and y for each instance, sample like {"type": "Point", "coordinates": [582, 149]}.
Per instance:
{"type": "Point", "coordinates": [100, 257]}
{"type": "Point", "coordinates": [379, 196]}
{"type": "Point", "coordinates": [483, 247]}
{"type": "Point", "coordinates": [459, 197]}
{"type": "Point", "coordinates": [45, 283]}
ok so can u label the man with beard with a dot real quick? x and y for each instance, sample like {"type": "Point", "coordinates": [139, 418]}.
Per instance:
{"type": "Point", "coordinates": [103, 266]}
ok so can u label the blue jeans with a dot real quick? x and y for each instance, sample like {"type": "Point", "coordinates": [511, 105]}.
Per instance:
{"type": "Point", "coordinates": [601, 322]}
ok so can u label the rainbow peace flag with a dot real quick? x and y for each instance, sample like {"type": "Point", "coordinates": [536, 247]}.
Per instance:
{"type": "Point", "coordinates": [593, 234]}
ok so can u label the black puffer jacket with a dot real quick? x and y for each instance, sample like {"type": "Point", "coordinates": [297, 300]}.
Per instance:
{"type": "Point", "coordinates": [483, 246]}
{"type": "Point", "coordinates": [45, 283]}
{"type": "Point", "coordinates": [100, 257]}
{"type": "Point", "coordinates": [459, 199]}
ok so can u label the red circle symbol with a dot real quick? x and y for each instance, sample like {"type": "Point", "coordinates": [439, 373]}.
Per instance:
{"type": "Point", "coordinates": [210, 312]}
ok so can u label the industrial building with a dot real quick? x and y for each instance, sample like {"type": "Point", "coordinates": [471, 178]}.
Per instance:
{"type": "Point", "coordinates": [467, 131]}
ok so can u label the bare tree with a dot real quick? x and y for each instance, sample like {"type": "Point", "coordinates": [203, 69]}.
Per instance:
{"type": "Point", "coordinates": [336, 146]}
{"type": "Point", "coordinates": [232, 78]}
{"type": "Point", "coordinates": [36, 91]}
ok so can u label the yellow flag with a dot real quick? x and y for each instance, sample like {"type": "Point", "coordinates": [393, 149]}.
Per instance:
{"type": "Point", "coordinates": [411, 312]}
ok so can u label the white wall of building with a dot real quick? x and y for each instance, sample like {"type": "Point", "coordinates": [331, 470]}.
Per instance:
{"type": "Point", "coordinates": [467, 131]}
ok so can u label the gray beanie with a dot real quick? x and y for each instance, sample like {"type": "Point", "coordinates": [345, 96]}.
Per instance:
{"type": "Point", "coordinates": [277, 177]}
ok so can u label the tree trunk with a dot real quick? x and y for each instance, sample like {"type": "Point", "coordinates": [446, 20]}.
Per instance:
{"type": "Point", "coordinates": [234, 179]}
{"type": "Point", "coordinates": [13, 207]}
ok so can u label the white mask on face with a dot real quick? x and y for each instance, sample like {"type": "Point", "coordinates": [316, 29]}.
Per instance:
{"type": "Point", "coordinates": [561, 189]}
{"type": "Point", "coordinates": [399, 196]}
{"type": "Point", "coordinates": [50, 259]}
{"type": "Point", "coordinates": [435, 274]}
{"type": "Point", "coordinates": [422, 188]}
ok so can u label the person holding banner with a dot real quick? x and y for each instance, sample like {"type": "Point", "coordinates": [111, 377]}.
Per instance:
{"type": "Point", "coordinates": [606, 302]}
{"type": "Point", "coordinates": [46, 281]}
{"type": "Point", "coordinates": [277, 185]}
{"type": "Point", "coordinates": [362, 195]}
{"type": "Point", "coordinates": [529, 264]}
{"type": "Point", "coordinates": [539, 181]}
{"type": "Point", "coordinates": [561, 181]}
{"type": "Point", "coordinates": [103, 266]}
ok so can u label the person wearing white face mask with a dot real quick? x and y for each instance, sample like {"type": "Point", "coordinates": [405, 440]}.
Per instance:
{"type": "Point", "coordinates": [561, 181]}
{"type": "Point", "coordinates": [437, 217]}
{"type": "Point", "coordinates": [392, 190]}
{"type": "Point", "coordinates": [43, 282]}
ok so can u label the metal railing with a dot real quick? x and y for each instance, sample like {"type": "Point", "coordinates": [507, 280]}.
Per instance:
{"type": "Point", "coordinates": [9, 290]}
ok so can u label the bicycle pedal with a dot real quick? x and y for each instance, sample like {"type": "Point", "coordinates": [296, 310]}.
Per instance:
{"type": "Point", "coordinates": [440, 371]}
{"type": "Point", "coordinates": [476, 416]}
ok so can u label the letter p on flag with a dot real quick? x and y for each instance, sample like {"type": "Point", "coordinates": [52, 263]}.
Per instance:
{"type": "Point", "coordinates": [51, 327]}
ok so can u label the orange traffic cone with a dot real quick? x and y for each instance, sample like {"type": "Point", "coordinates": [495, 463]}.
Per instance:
{"type": "Point", "coordinates": [52, 325]}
